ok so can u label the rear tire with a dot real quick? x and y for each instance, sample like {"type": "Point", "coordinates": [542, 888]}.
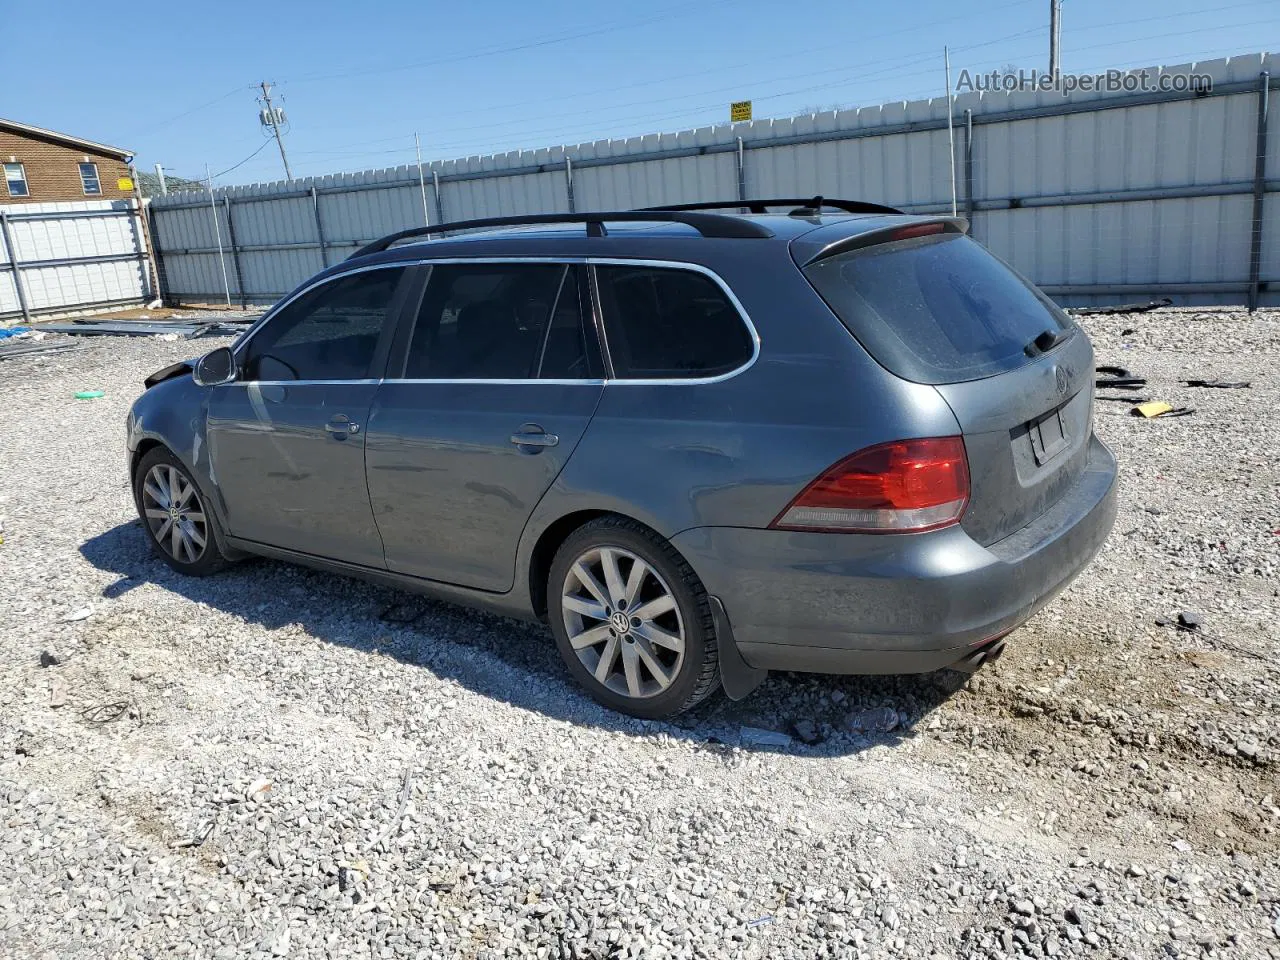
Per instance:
{"type": "Point", "coordinates": [632, 620]}
{"type": "Point", "coordinates": [176, 515]}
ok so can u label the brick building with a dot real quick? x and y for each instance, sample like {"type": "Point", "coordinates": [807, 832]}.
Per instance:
{"type": "Point", "coordinates": [41, 166]}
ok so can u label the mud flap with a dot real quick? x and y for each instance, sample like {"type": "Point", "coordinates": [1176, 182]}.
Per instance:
{"type": "Point", "coordinates": [736, 675]}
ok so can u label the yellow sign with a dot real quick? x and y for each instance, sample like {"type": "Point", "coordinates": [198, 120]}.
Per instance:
{"type": "Point", "coordinates": [124, 183]}
{"type": "Point", "coordinates": [740, 111]}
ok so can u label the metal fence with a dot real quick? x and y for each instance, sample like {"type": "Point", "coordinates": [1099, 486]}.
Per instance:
{"type": "Point", "coordinates": [1096, 197]}
{"type": "Point", "coordinates": [63, 258]}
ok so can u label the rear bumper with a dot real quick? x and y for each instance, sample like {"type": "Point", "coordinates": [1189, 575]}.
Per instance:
{"type": "Point", "coordinates": [851, 603]}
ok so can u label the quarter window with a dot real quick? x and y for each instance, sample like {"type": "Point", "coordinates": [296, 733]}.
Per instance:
{"type": "Point", "coordinates": [670, 324]}
{"type": "Point", "coordinates": [89, 179]}
{"type": "Point", "coordinates": [329, 333]}
{"type": "Point", "coordinates": [15, 178]}
{"type": "Point", "coordinates": [501, 321]}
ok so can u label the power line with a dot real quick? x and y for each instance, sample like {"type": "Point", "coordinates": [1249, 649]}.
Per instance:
{"type": "Point", "coordinates": [236, 166]}
{"type": "Point", "coordinates": [187, 113]}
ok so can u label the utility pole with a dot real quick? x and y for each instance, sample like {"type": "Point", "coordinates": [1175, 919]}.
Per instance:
{"type": "Point", "coordinates": [272, 119]}
{"type": "Point", "coordinates": [951, 134]}
{"type": "Point", "coordinates": [1055, 38]}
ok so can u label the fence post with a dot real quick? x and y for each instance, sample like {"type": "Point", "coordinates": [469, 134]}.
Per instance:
{"type": "Point", "coordinates": [162, 276]}
{"type": "Point", "coordinates": [435, 184]}
{"type": "Point", "coordinates": [235, 252]}
{"type": "Point", "coordinates": [968, 167]}
{"type": "Point", "coordinates": [17, 271]}
{"type": "Point", "coordinates": [568, 182]}
{"type": "Point", "coordinates": [1259, 191]}
{"type": "Point", "coordinates": [315, 209]}
{"type": "Point", "coordinates": [742, 170]}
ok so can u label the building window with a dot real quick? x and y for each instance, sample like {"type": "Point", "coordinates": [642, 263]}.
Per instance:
{"type": "Point", "coordinates": [89, 179]}
{"type": "Point", "coordinates": [15, 177]}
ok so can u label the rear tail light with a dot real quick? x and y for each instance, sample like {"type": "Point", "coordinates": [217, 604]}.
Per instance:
{"type": "Point", "coordinates": [898, 487]}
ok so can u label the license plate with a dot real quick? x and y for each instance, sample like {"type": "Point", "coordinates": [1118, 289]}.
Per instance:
{"type": "Point", "coordinates": [1048, 436]}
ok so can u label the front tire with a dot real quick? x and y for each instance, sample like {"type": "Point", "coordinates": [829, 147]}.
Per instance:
{"type": "Point", "coordinates": [632, 620]}
{"type": "Point", "coordinates": [175, 515]}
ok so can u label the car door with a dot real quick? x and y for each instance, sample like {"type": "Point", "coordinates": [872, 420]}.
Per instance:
{"type": "Point", "coordinates": [286, 439]}
{"type": "Point", "coordinates": [494, 386]}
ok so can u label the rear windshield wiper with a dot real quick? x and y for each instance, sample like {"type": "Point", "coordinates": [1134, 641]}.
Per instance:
{"type": "Point", "coordinates": [1045, 341]}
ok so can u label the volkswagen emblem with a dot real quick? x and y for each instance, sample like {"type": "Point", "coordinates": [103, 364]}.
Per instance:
{"type": "Point", "coordinates": [620, 621]}
{"type": "Point", "coordinates": [1060, 376]}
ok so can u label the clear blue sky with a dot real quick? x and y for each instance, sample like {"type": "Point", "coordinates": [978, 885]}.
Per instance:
{"type": "Point", "coordinates": [173, 81]}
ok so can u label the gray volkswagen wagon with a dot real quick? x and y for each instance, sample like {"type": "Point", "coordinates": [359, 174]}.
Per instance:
{"type": "Point", "coordinates": [700, 442]}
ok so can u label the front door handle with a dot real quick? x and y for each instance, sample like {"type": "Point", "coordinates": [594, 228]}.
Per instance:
{"type": "Point", "coordinates": [341, 427]}
{"type": "Point", "coordinates": [532, 435]}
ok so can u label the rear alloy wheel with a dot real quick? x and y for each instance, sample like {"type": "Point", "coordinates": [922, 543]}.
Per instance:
{"type": "Point", "coordinates": [632, 620]}
{"type": "Point", "coordinates": [175, 515]}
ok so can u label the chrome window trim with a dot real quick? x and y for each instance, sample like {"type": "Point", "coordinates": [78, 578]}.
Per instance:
{"type": "Point", "coordinates": [718, 280]}
{"type": "Point", "coordinates": [245, 337]}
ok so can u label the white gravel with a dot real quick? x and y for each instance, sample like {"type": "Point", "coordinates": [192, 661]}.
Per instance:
{"type": "Point", "coordinates": [257, 765]}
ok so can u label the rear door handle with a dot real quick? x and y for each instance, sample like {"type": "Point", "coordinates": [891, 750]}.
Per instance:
{"type": "Point", "coordinates": [342, 427]}
{"type": "Point", "coordinates": [532, 435]}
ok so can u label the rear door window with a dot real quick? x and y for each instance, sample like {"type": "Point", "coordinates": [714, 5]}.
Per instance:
{"type": "Point", "coordinates": [329, 333]}
{"type": "Point", "coordinates": [667, 323]}
{"type": "Point", "coordinates": [936, 309]}
{"type": "Point", "coordinates": [501, 321]}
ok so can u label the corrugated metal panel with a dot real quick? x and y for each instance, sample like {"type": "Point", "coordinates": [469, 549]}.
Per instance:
{"type": "Point", "coordinates": [68, 286]}
{"type": "Point", "coordinates": [897, 153]}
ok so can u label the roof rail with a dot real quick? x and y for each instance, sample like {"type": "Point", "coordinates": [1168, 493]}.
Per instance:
{"type": "Point", "coordinates": [707, 224]}
{"type": "Point", "coordinates": [806, 207]}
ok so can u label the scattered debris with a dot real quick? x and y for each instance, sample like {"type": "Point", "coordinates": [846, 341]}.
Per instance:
{"type": "Point", "coordinates": [203, 833]}
{"type": "Point", "coordinates": [150, 328]}
{"type": "Point", "coordinates": [57, 691]}
{"type": "Point", "coordinates": [108, 712]}
{"type": "Point", "coordinates": [75, 616]}
{"type": "Point", "coordinates": [89, 394]}
{"type": "Point", "coordinates": [1189, 620]}
{"type": "Point", "coordinates": [1128, 332]}
{"type": "Point", "coordinates": [879, 720]}
{"type": "Point", "coordinates": [760, 921]}
{"type": "Point", "coordinates": [256, 789]}
{"type": "Point", "coordinates": [6, 332]}
{"type": "Point", "coordinates": [1124, 399]}
{"type": "Point", "coordinates": [1113, 371]}
{"type": "Point", "coordinates": [12, 351]}
{"type": "Point", "coordinates": [1121, 308]}
{"type": "Point", "coordinates": [807, 732]}
{"type": "Point", "coordinates": [1220, 384]}
{"type": "Point", "coordinates": [1158, 408]}
{"type": "Point", "coordinates": [758, 737]}
{"type": "Point", "coordinates": [50, 657]}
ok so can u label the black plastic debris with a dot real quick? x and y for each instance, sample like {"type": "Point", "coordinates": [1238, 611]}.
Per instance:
{"type": "Point", "coordinates": [1220, 384]}
{"type": "Point", "coordinates": [1122, 308]}
{"type": "Point", "coordinates": [1188, 620]}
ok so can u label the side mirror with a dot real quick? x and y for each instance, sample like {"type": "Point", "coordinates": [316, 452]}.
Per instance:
{"type": "Point", "coordinates": [215, 367]}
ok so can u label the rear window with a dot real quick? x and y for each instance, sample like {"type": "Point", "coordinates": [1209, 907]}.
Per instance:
{"type": "Point", "coordinates": [936, 309]}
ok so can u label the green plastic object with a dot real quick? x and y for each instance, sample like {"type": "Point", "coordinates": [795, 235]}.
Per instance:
{"type": "Point", "coordinates": [90, 394]}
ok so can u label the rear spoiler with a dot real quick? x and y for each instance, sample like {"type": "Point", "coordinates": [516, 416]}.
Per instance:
{"type": "Point", "coordinates": [826, 242]}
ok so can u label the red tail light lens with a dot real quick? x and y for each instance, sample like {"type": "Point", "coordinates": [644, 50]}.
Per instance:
{"type": "Point", "coordinates": [898, 487]}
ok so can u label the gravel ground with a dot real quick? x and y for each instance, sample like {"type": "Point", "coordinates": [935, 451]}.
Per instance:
{"type": "Point", "coordinates": [262, 765]}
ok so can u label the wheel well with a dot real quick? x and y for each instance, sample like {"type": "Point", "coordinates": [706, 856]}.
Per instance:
{"type": "Point", "coordinates": [144, 447]}
{"type": "Point", "coordinates": [544, 552]}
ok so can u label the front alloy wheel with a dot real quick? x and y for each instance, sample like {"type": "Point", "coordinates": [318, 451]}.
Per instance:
{"type": "Point", "coordinates": [176, 516]}
{"type": "Point", "coordinates": [173, 512]}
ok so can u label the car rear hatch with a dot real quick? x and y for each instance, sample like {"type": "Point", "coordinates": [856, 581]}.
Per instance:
{"type": "Point", "coordinates": [932, 306]}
